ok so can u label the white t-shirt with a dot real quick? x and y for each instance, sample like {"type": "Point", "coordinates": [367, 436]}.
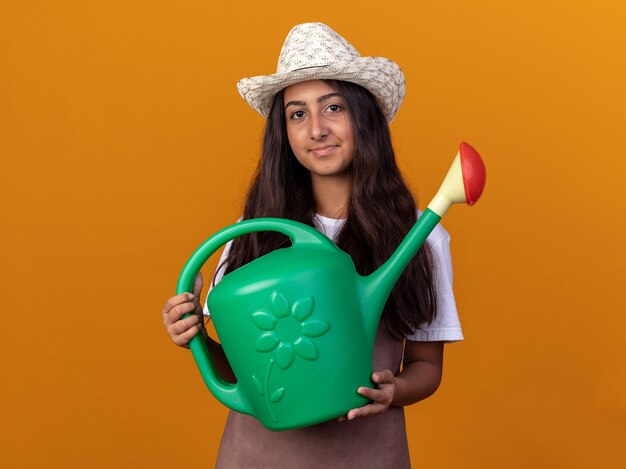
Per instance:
{"type": "Point", "coordinates": [446, 325]}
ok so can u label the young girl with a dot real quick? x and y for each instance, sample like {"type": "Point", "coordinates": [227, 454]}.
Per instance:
{"type": "Point", "coordinates": [327, 161]}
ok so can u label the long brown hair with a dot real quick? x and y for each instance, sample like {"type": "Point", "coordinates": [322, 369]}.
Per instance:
{"type": "Point", "coordinates": [381, 209]}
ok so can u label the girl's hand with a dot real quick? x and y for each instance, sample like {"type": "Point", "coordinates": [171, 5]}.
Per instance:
{"type": "Point", "coordinates": [181, 332]}
{"type": "Point", "coordinates": [381, 397]}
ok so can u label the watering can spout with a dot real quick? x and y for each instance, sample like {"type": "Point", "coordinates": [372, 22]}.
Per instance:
{"type": "Point", "coordinates": [464, 182]}
{"type": "Point", "coordinates": [377, 286]}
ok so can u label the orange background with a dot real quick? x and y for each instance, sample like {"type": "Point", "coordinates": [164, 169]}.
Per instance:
{"type": "Point", "coordinates": [124, 144]}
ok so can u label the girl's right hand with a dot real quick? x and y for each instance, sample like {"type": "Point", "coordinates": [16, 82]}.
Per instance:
{"type": "Point", "coordinates": [182, 331]}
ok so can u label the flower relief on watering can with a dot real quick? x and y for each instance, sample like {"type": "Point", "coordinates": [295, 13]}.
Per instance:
{"type": "Point", "coordinates": [287, 331]}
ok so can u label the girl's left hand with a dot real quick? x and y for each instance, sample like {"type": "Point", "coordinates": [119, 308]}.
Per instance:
{"type": "Point", "coordinates": [381, 397]}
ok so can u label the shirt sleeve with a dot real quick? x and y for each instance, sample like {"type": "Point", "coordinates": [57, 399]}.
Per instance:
{"type": "Point", "coordinates": [446, 325]}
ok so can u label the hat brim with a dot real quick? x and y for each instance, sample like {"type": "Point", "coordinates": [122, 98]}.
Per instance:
{"type": "Point", "coordinates": [381, 77]}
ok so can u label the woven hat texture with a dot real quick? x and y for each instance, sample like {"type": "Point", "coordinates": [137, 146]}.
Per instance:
{"type": "Point", "coordinates": [313, 51]}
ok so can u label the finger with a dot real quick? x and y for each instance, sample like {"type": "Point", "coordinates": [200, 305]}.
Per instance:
{"type": "Point", "coordinates": [366, 411]}
{"type": "Point", "coordinates": [182, 326]}
{"type": "Point", "coordinates": [383, 377]}
{"type": "Point", "coordinates": [178, 311]}
{"type": "Point", "coordinates": [197, 285]}
{"type": "Point", "coordinates": [178, 328]}
{"type": "Point", "coordinates": [197, 290]}
{"type": "Point", "coordinates": [183, 339]}
{"type": "Point", "coordinates": [175, 301]}
{"type": "Point", "coordinates": [374, 394]}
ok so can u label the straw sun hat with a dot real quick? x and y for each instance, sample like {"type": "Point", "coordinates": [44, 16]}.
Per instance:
{"type": "Point", "coordinates": [313, 51]}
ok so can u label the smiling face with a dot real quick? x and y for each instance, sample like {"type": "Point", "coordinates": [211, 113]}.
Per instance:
{"type": "Point", "coordinates": [319, 129]}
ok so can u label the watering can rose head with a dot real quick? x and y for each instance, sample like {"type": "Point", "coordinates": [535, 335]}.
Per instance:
{"type": "Point", "coordinates": [464, 182]}
{"type": "Point", "coordinates": [288, 341]}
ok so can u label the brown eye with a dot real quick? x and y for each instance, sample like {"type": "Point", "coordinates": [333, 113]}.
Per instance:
{"type": "Point", "coordinates": [297, 115]}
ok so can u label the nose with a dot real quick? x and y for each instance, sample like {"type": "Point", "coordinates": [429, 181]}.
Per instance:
{"type": "Point", "coordinates": [319, 129]}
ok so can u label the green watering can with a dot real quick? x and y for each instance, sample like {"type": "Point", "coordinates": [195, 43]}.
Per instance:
{"type": "Point", "coordinates": [298, 324]}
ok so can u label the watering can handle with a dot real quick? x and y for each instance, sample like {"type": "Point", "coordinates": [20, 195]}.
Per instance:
{"type": "Point", "coordinates": [299, 233]}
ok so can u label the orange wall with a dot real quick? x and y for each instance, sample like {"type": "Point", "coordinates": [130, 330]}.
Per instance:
{"type": "Point", "coordinates": [124, 144]}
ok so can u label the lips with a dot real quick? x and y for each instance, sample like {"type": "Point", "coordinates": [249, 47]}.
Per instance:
{"type": "Point", "coordinates": [323, 150]}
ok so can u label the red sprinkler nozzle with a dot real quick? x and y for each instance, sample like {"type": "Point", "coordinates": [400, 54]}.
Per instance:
{"type": "Point", "coordinates": [474, 173]}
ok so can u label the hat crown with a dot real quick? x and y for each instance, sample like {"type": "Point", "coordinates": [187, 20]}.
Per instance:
{"type": "Point", "coordinates": [313, 51]}
{"type": "Point", "coordinates": [311, 45]}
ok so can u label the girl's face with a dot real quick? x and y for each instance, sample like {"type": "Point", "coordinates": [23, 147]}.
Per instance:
{"type": "Point", "coordinates": [319, 129]}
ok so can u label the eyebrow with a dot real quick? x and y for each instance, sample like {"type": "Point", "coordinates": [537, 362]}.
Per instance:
{"type": "Point", "coordinates": [321, 99]}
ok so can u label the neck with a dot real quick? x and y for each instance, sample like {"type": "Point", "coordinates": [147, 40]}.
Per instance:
{"type": "Point", "coordinates": [331, 195]}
